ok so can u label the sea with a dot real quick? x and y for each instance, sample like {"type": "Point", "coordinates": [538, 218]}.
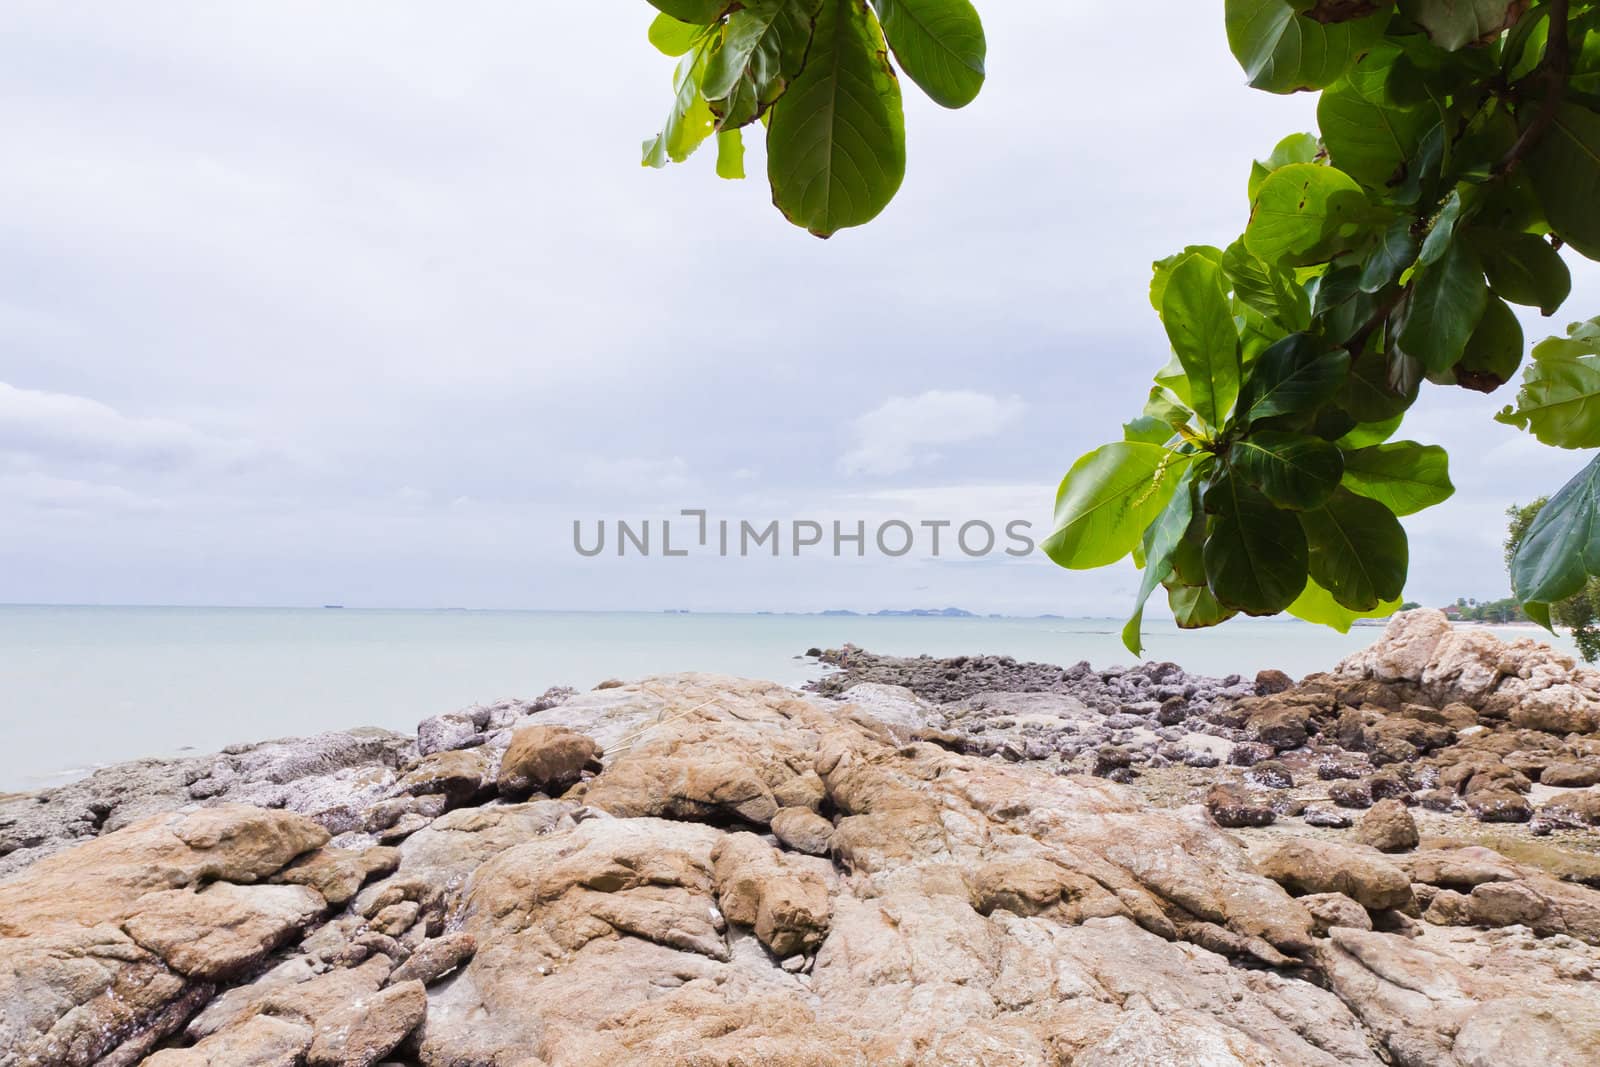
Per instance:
{"type": "Point", "coordinates": [83, 687]}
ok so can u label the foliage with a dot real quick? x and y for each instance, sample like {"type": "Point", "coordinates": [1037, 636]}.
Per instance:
{"type": "Point", "coordinates": [817, 74]}
{"type": "Point", "coordinates": [1580, 612]}
{"type": "Point", "coordinates": [1457, 159]}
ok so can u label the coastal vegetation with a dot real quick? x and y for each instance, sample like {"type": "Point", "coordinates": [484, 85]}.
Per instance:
{"type": "Point", "coordinates": [1455, 167]}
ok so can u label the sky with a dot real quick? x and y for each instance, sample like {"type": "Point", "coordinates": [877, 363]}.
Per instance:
{"type": "Point", "coordinates": [368, 303]}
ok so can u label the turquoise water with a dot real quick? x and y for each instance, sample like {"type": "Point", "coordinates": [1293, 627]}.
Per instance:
{"type": "Point", "coordinates": [86, 686]}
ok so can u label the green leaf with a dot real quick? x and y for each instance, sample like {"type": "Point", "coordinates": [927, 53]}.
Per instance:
{"type": "Point", "coordinates": [1447, 300]}
{"type": "Point", "coordinates": [689, 122]}
{"type": "Point", "coordinates": [1282, 51]}
{"type": "Point", "coordinates": [836, 149]}
{"type": "Point", "coordinates": [1565, 168]}
{"type": "Point", "coordinates": [1296, 374]}
{"type": "Point", "coordinates": [1295, 148]}
{"type": "Point", "coordinates": [1367, 434]}
{"type": "Point", "coordinates": [1397, 250]}
{"type": "Point", "coordinates": [1442, 232]}
{"type": "Point", "coordinates": [673, 38]}
{"type": "Point", "coordinates": [1374, 391]}
{"type": "Point", "coordinates": [1368, 138]}
{"type": "Point", "coordinates": [1194, 309]}
{"type": "Point", "coordinates": [1358, 550]}
{"type": "Point", "coordinates": [1267, 290]}
{"type": "Point", "coordinates": [1291, 470]}
{"type": "Point", "coordinates": [1403, 476]}
{"type": "Point", "coordinates": [1149, 429]}
{"type": "Point", "coordinates": [1194, 607]}
{"type": "Point", "coordinates": [1494, 352]}
{"type": "Point", "coordinates": [730, 154]}
{"type": "Point", "coordinates": [1454, 24]}
{"type": "Point", "coordinates": [1255, 555]}
{"type": "Point", "coordinates": [1161, 270]}
{"type": "Point", "coordinates": [762, 51]}
{"type": "Point", "coordinates": [1107, 499]}
{"type": "Point", "coordinates": [1317, 605]}
{"type": "Point", "coordinates": [1562, 546]}
{"type": "Point", "coordinates": [1163, 404]}
{"type": "Point", "coordinates": [701, 12]}
{"type": "Point", "coordinates": [1522, 268]}
{"type": "Point", "coordinates": [1304, 214]}
{"type": "Point", "coordinates": [939, 44]}
{"type": "Point", "coordinates": [1160, 543]}
{"type": "Point", "coordinates": [1559, 402]}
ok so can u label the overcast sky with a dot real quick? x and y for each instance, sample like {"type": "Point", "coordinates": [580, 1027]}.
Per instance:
{"type": "Point", "coordinates": [367, 302]}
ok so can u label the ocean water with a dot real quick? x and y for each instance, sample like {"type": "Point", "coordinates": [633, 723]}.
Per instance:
{"type": "Point", "coordinates": [81, 687]}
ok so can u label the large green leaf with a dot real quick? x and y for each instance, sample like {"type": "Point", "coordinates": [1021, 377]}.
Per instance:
{"type": "Point", "coordinates": [1403, 476]}
{"type": "Point", "coordinates": [1447, 300]}
{"type": "Point", "coordinates": [1397, 250]}
{"type": "Point", "coordinates": [1283, 51]}
{"type": "Point", "coordinates": [690, 121]}
{"type": "Point", "coordinates": [1161, 270]}
{"type": "Point", "coordinates": [701, 12]}
{"type": "Point", "coordinates": [1368, 138]}
{"type": "Point", "coordinates": [1374, 392]}
{"type": "Point", "coordinates": [1565, 168]}
{"type": "Point", "coordinates": [1562, 546]}
{"type": "Point", "coordinates": [1317, 605]}
{"type": "Point", "coordinates": [1291, 470]}
{"type": "Point", "coordinates": [1194, 606]}
{"type": "Point", "coordinates": [1523, 268]}
{"type": "Point", "coordinates": [939, 44]}
{"type": "Point", "coordinates": [1108, 498]}
{"type": "Point", "coordinates": [1255, 555]}
{"type": "Point", "coordinates": [762, 51]}
{"type": "Point", "coordinates": [1305, 213]}
{"type": "Point", "coordinates": [1160, 542]}
{"type": "Point", "coordinates": [836, 149]}
{"type": "Point", "coordinates": [1295, 148]}
{"type": "Point", "coordinates": [1297, 373]}
{"type": "Point", "coordinates": [1560, 397]}
{"type": "Point", "coordinates": [1266, 289]}
{"type": "Point", "coordinates": [1494, 351]}
{"type": "Point", "coordinates": [1358, 550]}
{"type": "Point", "coordinates": [1194, 309]}
{"type": "Point", "coordinates": [1454, 24]}
{"type": "Point", "coordinates": [1367, 434]}
{"type": "Point", "coordinates": [674, 38]}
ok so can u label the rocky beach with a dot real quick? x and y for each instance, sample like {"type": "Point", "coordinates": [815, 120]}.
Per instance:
{"type": "Point", "coordinates": [967, 861]}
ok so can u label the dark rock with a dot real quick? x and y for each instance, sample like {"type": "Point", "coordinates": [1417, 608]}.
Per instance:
{"type": "Point", "coordinates": [1270, 681]}
{"type": "Point", "coordinates": [1233, 806]}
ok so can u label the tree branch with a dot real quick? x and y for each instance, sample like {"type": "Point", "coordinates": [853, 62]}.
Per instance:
{"type": "Point", "coordinates": [1553, 69]}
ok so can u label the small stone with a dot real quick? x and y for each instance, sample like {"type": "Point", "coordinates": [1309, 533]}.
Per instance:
{"type": "Point", "coordinates": [1325, 816]}
{"type": "Point", "coordinates": [435, 958]}
{"type": "Point", "coordinates": [1499, 805]}
{"type": "Point", "coordinates": [1449, 908]}
{"type": "Point", "coordinates": [1334, 909]}
{"type": "Point", "coordinates": [1250, 753]}
{"type": "Point", "coordinates": [1270, 774]}
{"type": "Point", "coordinates": [1348, 794]}
{"type": "Point", "coordinates": [546, 759]}
{"type": "Point", "coordinates": [367, 1029]}
{"type": "Point", "coordinates": [1271, 681]}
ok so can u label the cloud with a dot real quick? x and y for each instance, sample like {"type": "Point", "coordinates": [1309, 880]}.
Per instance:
{"type": "Point", "coordinates": [62, 427]}
{"type": "Point", "coordinates": [903, 431]}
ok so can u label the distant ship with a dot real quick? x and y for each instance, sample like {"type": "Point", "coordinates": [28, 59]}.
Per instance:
{"type": "Point", "coordinates": [333, 607]}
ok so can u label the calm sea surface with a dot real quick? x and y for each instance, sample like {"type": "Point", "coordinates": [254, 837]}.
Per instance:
{"type": "Point", "coordinates": [81, 687]}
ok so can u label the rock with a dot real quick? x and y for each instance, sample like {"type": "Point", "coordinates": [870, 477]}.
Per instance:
{"type": "Point", "coordinates": [1554, 716]}
{"type": "Point", "coordinates": [1333, 818]}
{"type": "Point", "coordinates": [546, 759]}
{"type": "Point", "coordinates": [444, 733]}
{"type": "Point", "coordinates": [461, 776]}
{"type": "Point", "coordinates": [222, 930]}
{"type": "Point", "coordinates": [1316, 866]}
{"type": "Point", "coordinates": [1405, 650]}
{"type": "Point", "coordinates": [803, 830]}
{"type": "Point", "coordinates": [1570, 775]}
{"type": "Point", "coordinates": [365, 1031]}
{"type": "Point", "coordinates": [1334, 909]}
{"type": "Point", "coordinates": [1388, 827]}
{"type": "Point", "coordinates": [1546, 906]}
{"type": "Point", "coordinates": [1499, 805]}
{"type": "Point", "coordinates": [1449, 908]}
{"type": "Point", "coordinates": [263, 1041]}
{"type": "Point", "coordinates": [1270, 681]}
{"type": "Point", "coordinates": [339, 873]}
{"type": "Point", "coordinates": [1234, 806]}
{"type": "Point", "coordinates": [1271, 774]}
{"type": "Point", "coordinates": [1351, 794]}
{"type": "Point", "coordinates": [893, 705]}
{"type": "Point", "coordinates": [787, 905]}
{"type": "Point", "coordinates": [435, 958]}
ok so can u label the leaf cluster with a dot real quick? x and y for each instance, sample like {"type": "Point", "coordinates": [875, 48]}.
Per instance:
{"type": "Point", "coordinates": [1457, 160]}
{"type": "Point", "coordinates": [817, 75]}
